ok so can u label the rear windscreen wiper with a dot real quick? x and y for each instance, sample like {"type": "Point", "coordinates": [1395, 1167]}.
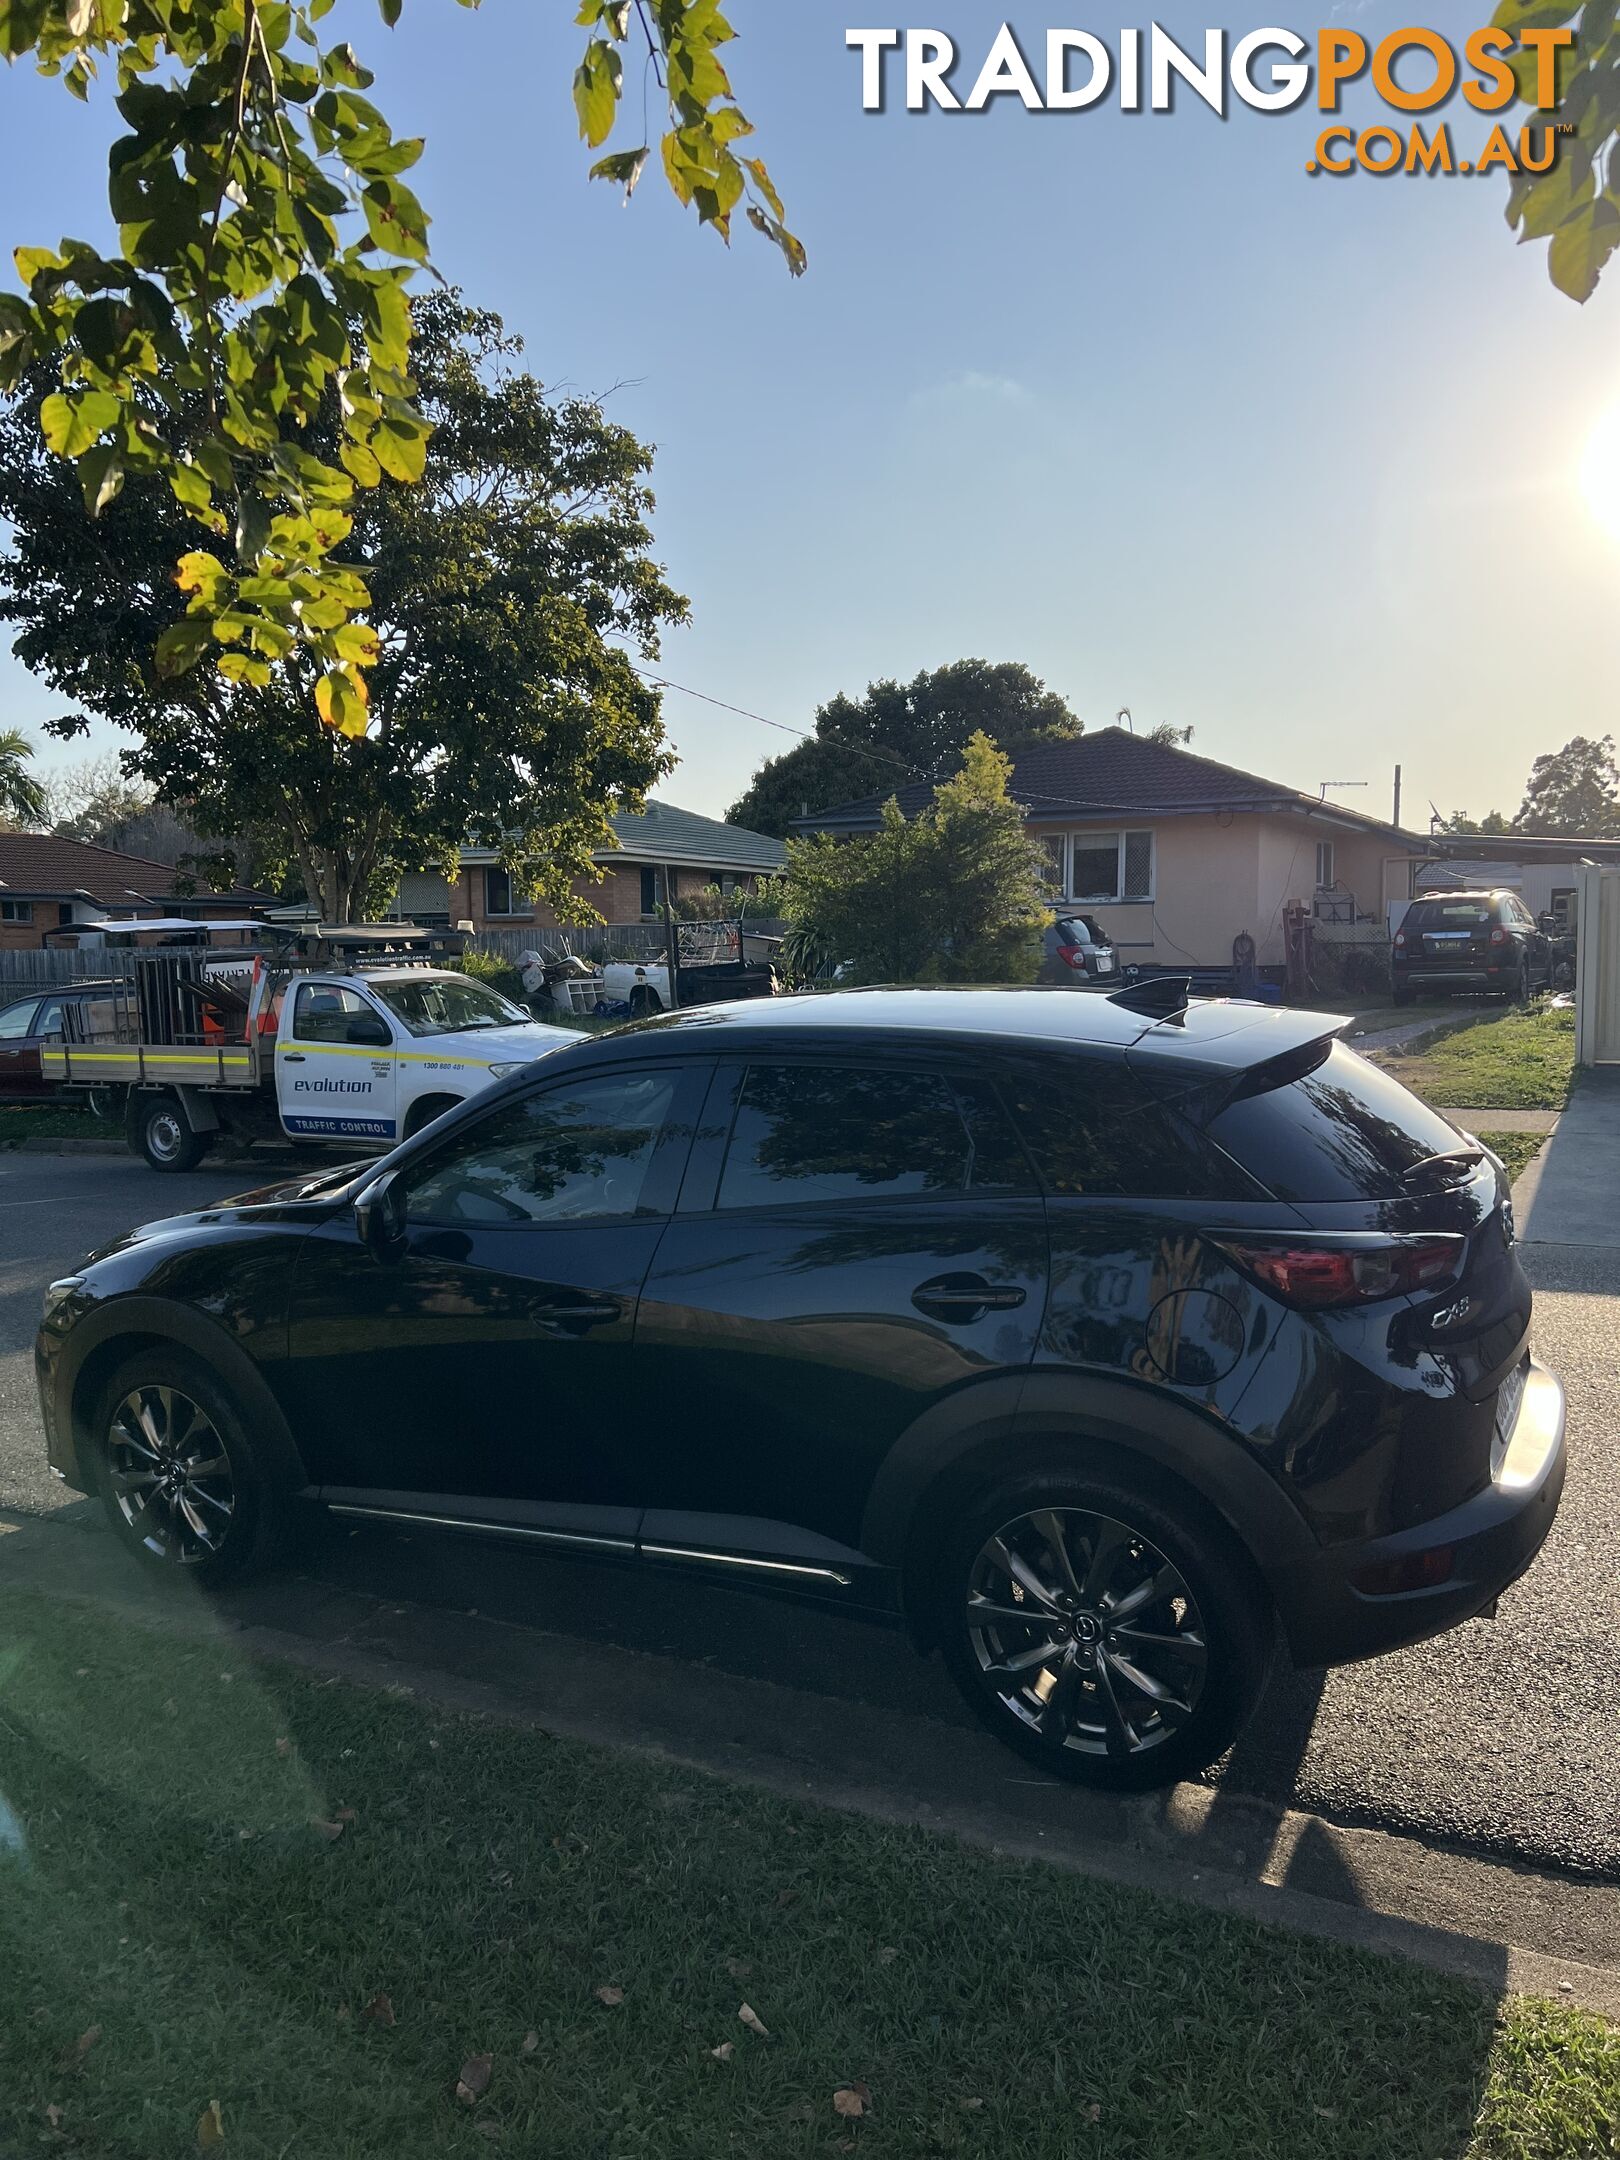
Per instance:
{"type": "Point", "coordinates": [1464, 1157]}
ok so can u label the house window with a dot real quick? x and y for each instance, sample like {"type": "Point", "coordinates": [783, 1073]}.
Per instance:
{"type": "Point", "coordinates": [16, 910]}
{"type": "Point", "coordinates": [499, 896]}
{"type": "Point", "coordinates": [1562, 901]}
{"type": "Point", "coordinates": [1054, 847]}
{"type": "Point", "coordinates": [1324, 865]}
{"type": "Point", "coordinates": [1110, 866]}
{"type": "Point", "coordinates": [652, 889]}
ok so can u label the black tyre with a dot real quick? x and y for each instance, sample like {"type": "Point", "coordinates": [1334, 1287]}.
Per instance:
{"type": "Point", "coordinates": [1109, 1632]}
{"type": "Point", "coordinates": [184, 1489]}
{"type": "Point", "coordinates": [424, 1112]}
{"type": "Point", "coordinates": [1400, 997]}
{"type": "Point", "coordinates": [158, 1129]}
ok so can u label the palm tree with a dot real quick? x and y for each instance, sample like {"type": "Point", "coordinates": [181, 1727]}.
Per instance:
{"type": "Point", "coordinates": [22, 795]}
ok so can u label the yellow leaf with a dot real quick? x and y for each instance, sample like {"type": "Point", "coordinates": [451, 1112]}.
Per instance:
{"type": "Point", "coordinates": [211, 2127]}
{"type": "Point", "coordinates": [751, 2019]}
{"type": "Point", "coordinates": [611, 1996]}
{"type": "Point", "coordinates": [851, 2100]}
{"type": "Point", "coordinates": [198, 569]}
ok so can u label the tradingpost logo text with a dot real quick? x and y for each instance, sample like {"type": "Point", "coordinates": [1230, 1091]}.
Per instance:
{"type": "Point", "coordinates": [1411, 70]}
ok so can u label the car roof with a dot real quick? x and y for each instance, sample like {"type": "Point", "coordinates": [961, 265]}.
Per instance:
{"type": "Point", "coordinates": [1224, 1033]}
{"type": "Point", "coordinates": [1495, 892]}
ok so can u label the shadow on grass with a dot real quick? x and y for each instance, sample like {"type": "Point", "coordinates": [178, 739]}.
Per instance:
{"type": "Point", "coordinates": [489, 1880]}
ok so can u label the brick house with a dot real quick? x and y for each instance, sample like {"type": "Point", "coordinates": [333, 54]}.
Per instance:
{"type": "Point", "coordinates": [664, 852]}
{"type": "Point", "coordinates": [50, 884]}
{"type": "Point", "coordinates": [1176, 855]}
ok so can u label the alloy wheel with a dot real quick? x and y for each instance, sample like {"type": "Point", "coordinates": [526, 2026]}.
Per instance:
{"type": "Point", "coordinates": [1086, 1632]}
{"type": "Point", "coordinates": [170, 1476]}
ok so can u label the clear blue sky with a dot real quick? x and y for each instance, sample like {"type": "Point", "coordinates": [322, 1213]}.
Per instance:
{"type": "Point", "coordinates": [1127, 397]}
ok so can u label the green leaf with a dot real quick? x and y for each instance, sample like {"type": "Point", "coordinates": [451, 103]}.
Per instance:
{"type": "Point", "coordinates": [597, 83]}
{"type": "Point", "coordinates": [1581, 247]}
{"type": "Point", "coordinates": [182, 645]}
{"type": "Point", "coordinates": [400, 452]}
{"type": "Point", "coordinates": [238, 667]}
{"type": "Point", "coordinates": [70, 425]}
{"type": "Point", "coordinates": [395, 219]}
{"type": "Point", "coordinates": [101, 476]}
{"type": "Point", "coordinates": [624, 168]}
{"type": "Point", "coordinates": [359, 462]}
{"type": "Point", "coordinates": [191, 487]}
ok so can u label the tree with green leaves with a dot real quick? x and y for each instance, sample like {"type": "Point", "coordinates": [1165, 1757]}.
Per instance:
{"type": "Point", "coordinates": [903, 731]}
{"type": "Point", "coordinates": [955, 894]}
{"type": "Point", "coordinates": [1490, 825]}
{"type": "Point", "coordinates": [22, 793]}
{"type": "Point", "coordinates": [1574, 790]}
{"type": "Point", "coordinates": [1575, 204]}
{"type": "Point", "coordinates": [511, 593]}
{"type": "Point", "coordinates": [266, 239]}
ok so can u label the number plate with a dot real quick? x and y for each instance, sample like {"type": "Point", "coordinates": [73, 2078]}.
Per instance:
{"type": "Point", "coordinates": [1508, 1398]}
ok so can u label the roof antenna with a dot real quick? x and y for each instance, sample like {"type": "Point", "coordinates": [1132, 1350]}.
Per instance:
{"type": "Point", "coordinates": [1124, 714]}
{"type": "Point", "coordinates": [1326, 784]}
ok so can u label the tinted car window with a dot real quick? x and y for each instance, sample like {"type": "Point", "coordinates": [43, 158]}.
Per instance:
{"type": "Point", "coordinates": [1094, 1130]}
{"type": "Point", "coordinates": [1344, 1131]}
{"type": "Point", "coordinates": [325, 1010]}
{"type": "Point", "coordinates": [17, 1020]}
{"type": "Point", "coordinates": [1447, 915]}
{"type": "Point", "coordinates": [571, 1155]}
{"type": "Point", "coordinates": [807, 1133]}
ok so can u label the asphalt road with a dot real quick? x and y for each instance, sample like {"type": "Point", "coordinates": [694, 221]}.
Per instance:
{"type": "Point", "coordinates": [1499, 1738]}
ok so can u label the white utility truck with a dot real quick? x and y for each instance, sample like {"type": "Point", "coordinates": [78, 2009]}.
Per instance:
{"type": "Point", "coordinates": [351, 1035]}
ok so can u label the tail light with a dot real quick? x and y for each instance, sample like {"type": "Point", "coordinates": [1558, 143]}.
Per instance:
{"type": "Point", "coordinates": [1400, 939]}
{"type": "Point", "coordinates": [1498, 935]}
{"type": "Point", "coordinates": [1317, 1274]}
{"type": "Point", "coordinates": [1074, 955]}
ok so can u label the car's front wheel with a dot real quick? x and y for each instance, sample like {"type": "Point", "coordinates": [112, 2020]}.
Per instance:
{"type": "Point", "coordinates": [1105, 1630]}
{"type": "Point", "coordinates": [183, 1487]}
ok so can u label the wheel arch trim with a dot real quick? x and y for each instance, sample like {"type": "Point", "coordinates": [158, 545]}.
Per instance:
{"type": "Point", "coordinates": [1069, 1407]}
{"type": "Point", "coordinates": [141, 1320]}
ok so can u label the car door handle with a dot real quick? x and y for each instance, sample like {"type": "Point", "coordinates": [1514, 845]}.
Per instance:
{"type": "Point", "coordinates": [965, 1297]}
{"type": "Point", "coordinates": [576, 1311]}
{"type": "Point", "coordinates": [292, 1057]}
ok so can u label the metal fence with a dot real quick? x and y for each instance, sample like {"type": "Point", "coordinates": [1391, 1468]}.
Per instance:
{"type": "Point", "coordinates": [613, 941]}
{"type": "Point", "coordinates": [24, 971]}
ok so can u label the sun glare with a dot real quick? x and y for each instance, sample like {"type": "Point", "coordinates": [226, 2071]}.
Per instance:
{"type": "Point", "coordinates": [1600, 472]}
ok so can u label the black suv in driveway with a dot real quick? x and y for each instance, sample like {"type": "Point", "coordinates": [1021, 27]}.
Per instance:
{"type": "Point", "coordinates": [1098, 1340]}
{"type": "Point", "coordinates": [1469, 941]}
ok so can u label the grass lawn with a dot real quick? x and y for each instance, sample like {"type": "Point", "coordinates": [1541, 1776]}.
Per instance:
{"type": "Point", "coordinates": [1521, 1060]}
{"type": "Point", "coordinates": [324, 1907]}
{"type": "Point", "coordinates": [1517, 1149]}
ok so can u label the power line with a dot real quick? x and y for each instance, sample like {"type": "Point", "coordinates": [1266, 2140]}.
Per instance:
{"type": "Point", "coordinates": [883, 757]}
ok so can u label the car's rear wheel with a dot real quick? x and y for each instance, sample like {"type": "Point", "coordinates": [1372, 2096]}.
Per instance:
{"type": "Point", "coordinates": [1401, 997]}
{"type": "Point", "coordinates": [180, 1480]}
{"type": "Point", "coordinates": [157, 1129]}
{"type": "Point", "coordinates": [1105, 1630]}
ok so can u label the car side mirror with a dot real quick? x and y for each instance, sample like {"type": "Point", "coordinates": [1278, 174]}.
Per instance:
{"type": "Point", "coordinates": [368, 1028]}
{"type": "Point", "coordinates": [379, 1216]}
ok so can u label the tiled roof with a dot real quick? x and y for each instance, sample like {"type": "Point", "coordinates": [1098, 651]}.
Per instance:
{"type": "Point", "coordinates": [1108, 773]}
{"type": "Point", "coordinates": [43, 865]}
{"type": "Point", "coordinates": [664, 834]}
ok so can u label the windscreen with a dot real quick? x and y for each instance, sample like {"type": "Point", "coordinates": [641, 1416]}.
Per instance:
{"type": "Point", "coordinates": [1343, 1130]}
{"type": "Point", "coordinates": [444, 1005]}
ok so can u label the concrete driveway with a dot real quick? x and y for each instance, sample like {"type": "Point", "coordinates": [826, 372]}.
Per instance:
{"type": "Point", "coordinates": [1498, 1739]}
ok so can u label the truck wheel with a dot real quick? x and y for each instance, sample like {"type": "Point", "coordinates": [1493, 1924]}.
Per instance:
{"type": "Point", "coordinates": [424, 1112]}
{"type": "Point", "coordinates": [157, 1128]}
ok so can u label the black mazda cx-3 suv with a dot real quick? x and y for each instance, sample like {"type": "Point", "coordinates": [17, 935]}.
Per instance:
{"type": "Point", "coordinates": [1100, 1341]}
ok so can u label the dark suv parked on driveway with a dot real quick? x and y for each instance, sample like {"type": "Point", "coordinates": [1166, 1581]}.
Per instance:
{"type": "Point", "coordinates": [1469, 941]}
{"type": "Point", "coordinates": [1097, 1339]}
